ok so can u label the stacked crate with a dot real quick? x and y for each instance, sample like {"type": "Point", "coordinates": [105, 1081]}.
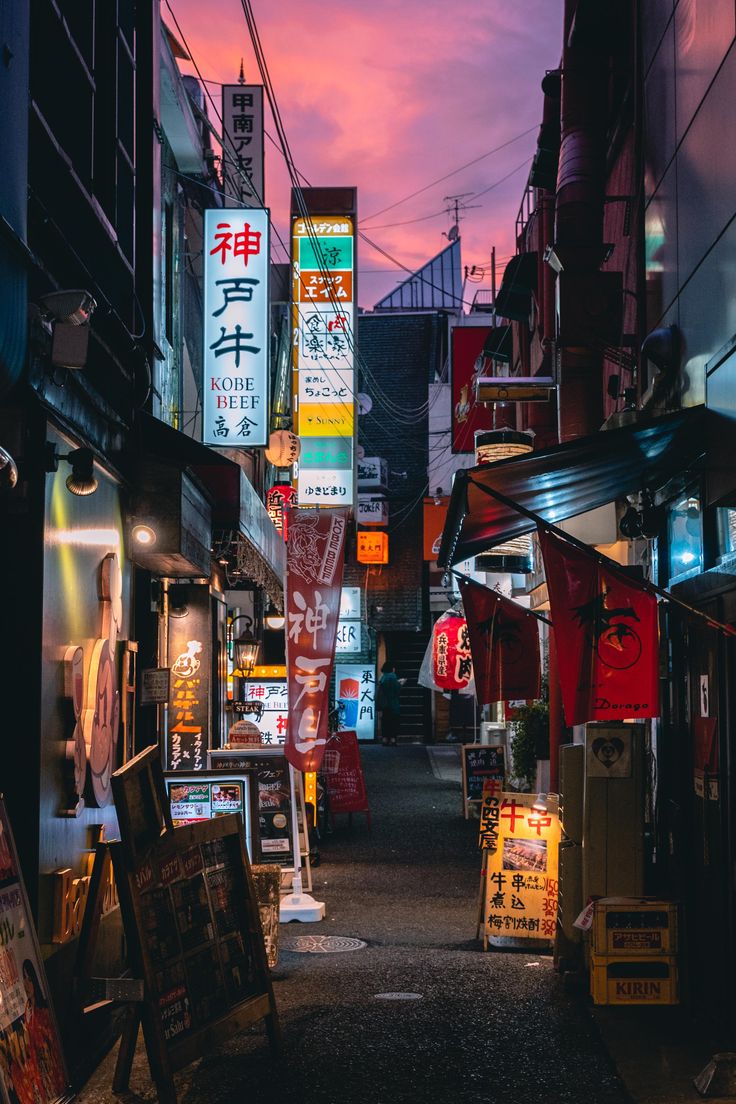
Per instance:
{"type": "Point", "coordinates": [634, 952]}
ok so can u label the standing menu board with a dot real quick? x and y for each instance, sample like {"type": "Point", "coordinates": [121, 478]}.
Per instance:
{"type": "Point", "coordinates": [269, 770]}
{"type": "Point", "coordinates": [191, 921]}
{"type": "Point", "coordinates": [31, 1061]}
{"type": "Point", "coordinates": [481, 763]}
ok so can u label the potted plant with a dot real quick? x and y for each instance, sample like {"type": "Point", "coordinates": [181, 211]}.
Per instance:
{"type": "Point", "coordinates": [530, 737]}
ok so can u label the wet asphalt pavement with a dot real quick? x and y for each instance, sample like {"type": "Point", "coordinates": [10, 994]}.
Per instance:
{"type": "Point", "coordinates": [487, 1027]}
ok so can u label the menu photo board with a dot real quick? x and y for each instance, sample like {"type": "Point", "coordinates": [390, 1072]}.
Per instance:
{"type": "Point", "coordinates": [269, 771]}
{"type": "Point", "coordinates": [32, 1065]}
{"type": "Point", "coordinates": [210, 794]}
{"type": "Point", "coordinates": [480, 763]}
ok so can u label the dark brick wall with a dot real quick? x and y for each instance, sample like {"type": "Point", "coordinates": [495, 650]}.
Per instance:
{"type": "Point", "coordinates": [399, 355]}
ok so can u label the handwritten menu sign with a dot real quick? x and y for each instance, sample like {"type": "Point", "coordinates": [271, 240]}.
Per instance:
{"type": "Point", "coordinates": [346, 792]}
{"type": "Point", "coordinates": [520, 851]}
{"type": "Point", "coordinates": [31, 1061]}
{"type": "Point", "coordinates": [191, 922]}
{"type": "Point", "coordinates": [480, 763]}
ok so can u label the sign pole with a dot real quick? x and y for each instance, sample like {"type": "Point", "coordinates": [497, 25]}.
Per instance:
{"type": "Point", "coordinates": [298, 905]}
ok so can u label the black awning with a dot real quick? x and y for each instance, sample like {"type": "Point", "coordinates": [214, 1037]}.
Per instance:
{"type": "Point", "coordinates": [498, 344]}
{"type": "Point", "coordinates": [560, 482]}
{"type": "Point", "coordinates": [514, 299]}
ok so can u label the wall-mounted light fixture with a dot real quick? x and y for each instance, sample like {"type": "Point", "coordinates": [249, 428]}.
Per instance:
{"type": "Point", "coordinates": [8, 471]}
{"type": "Point", "coordinates": [143, 535]}
{"type": "Point", "coordinates": [243, 648]}
{"type": "Point", "coordinates": [178, 606]}
{"type": "Point", "coordinates": [82, 480]}
{"type": "Point", "coordinates": [274, 620]}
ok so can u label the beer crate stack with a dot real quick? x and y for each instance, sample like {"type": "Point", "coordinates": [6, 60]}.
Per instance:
{"type": "Point", "coordinates": [634, 952]}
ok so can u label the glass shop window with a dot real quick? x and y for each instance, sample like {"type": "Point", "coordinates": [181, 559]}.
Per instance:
{"type": "Point", "coordinates": [685, 528]}
{"type": "Point", "coordinates": [726, 519]}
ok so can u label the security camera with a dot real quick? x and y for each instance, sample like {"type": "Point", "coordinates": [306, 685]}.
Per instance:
{"type": "Point", "coordinates": [8, 471]}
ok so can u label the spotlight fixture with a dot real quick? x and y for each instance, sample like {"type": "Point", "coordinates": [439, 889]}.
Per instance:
{"type": "Point", "coordinates": [540, 805]}
{"type": "Point", "coordinates": [74, 307]}
{"type": "Point", "coordinates": [8, 471]}
{"type": "Point", "coordinates": [82, 480]}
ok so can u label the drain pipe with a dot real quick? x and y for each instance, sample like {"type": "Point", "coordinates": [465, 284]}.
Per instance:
{"type": "Point", "coordinates": [579, 215]}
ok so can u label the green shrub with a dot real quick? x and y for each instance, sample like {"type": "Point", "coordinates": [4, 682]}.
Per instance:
{"type": "Point", "coordinates": [530, 737]}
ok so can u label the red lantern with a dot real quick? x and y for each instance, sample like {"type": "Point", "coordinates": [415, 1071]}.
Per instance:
{"type": "Point", "coordinates": [278, 502]}
{"type": "Point", "coordinates": [452, 666]}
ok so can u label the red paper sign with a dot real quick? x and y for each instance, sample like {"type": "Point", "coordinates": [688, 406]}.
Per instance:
{"type": "Point", "coordinates": [606, 632]}
{"type": "Point", "coordinates": [315, 555]}
{"type": "Point", "coordinates": [452, 666]}
{"type": "Point", "coordinates": [346, 790]}
{"type": "Point", "coordinates": [504, 641]}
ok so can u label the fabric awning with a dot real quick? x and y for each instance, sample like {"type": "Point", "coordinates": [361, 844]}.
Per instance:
{"type": "Point", "coordinates": [569, 479]}
{"type": "Point", "coordinates": [514, 299]}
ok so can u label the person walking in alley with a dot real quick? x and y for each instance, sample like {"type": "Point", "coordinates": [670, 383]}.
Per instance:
{"type": "Point", "coordinates": [389, 704]}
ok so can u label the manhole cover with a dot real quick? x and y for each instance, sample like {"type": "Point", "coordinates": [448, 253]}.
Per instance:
{"type": "Point", "coordinates": [322, 944]}
{"type": "Point", "coordinates": [398, 996]}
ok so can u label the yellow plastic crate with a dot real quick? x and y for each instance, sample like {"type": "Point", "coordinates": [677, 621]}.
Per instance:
{"type": "Point", "coordinates": [627, 927]}
{"type": "Point", "coordinates": [617, 980]}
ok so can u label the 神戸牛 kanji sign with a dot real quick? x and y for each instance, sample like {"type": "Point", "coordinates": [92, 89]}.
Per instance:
{"type": "Point", "coordinates": [520, 844]}
{"type": "Point", "coordinates": [315, 554]}
{"type": "Point", "coordinates": [607, 635]}
{"type": "Point", "coordinates": [504, 642]}
{"type": "Point", "coordinates": [236, 333]}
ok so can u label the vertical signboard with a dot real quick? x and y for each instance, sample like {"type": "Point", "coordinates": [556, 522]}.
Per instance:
{"type": "Point", "coordinates": [521, 845]}
{"type": "Point", "coordinates": [467, 364]}
{"type": "Point", "coordinates": [242, 144]}
{"type": "Point", "coordinates": [190, 651]}
{"type": "Point", "coordinates": [355, 694]}
{"type": "Point", "coordinates": [323, 268]}
{"type": "Point", "coordinates": [236, 331]}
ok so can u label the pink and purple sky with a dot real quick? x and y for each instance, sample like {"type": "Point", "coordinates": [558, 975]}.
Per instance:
{"type": "Point", "coordinates": [390, 96]}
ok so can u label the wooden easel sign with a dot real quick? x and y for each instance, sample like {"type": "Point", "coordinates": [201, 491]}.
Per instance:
{"type": "Point", "coordinates": [193, 928]}
{"type": "Point", "coordinates": [31, 1061]}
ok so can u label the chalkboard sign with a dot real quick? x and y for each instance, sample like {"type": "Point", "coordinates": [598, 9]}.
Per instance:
{"type": "Point", "coordinates": [269, 769]}
{"type": "Point", "coordinates": [346, 792]}
{"type": "Point", "coordinates": [31, 1060]}
{"type": "Point", "coordinates": [481, 763]}
{"type": "Point", "coordinates": [192, 924]}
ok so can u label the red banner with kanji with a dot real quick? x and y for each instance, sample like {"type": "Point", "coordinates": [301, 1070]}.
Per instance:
{"type": "Point", "coordinates": [315, 556]}
{"type": "Point", "coordinates": [504, 643]}
{"type": "Point", "coordinates": [607, 635]}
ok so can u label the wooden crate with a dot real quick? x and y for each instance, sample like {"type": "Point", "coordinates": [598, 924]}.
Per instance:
{"type": "Point", "coordinates": [634, 980]}
{"type": "Point", "coordinates": [642, 927]}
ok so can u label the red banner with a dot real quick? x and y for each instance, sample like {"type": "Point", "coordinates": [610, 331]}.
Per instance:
{"type": "Point", "coordinates": [346, 792]}
{"type": "Point", "coordinates": [606, 630]}
{"type": "Point", "coordinates": [315, 556]}
{"type": "Point", "coordinates": [467, 363]}
{"type": "Point", "coordinates": [504, 641]}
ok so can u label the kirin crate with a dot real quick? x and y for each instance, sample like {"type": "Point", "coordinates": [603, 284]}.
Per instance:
{"type": "Point", "coordinates": [634, 980]}
{"type": "Point", "coordinates": [643, 926]}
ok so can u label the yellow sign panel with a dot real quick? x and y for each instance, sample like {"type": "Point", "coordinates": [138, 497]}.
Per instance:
{"type": "Point", "coordinates": [326, 420]}
{"type": "Point", "coordinates": [520, 849]}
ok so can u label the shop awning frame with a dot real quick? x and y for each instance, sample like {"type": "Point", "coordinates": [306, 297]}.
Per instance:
{"type": "Point", "coordinates": [570, 479]}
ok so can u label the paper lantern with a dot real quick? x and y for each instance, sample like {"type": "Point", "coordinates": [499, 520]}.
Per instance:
{"type": "Point", "coordinates": [452, 666]}
{"type": "Point", "coordinates": [491, 446]}
{"type": "Point", "coordinates": [283, 449]}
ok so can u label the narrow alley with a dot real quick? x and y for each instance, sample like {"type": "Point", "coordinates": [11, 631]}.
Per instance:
{"type": "Point", "coordinates": [478, 1027]}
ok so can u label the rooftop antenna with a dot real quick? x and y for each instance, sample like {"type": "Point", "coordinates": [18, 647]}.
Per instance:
{"type": "Point", "coordinates": [241, 78]}
{"type": "Point", "coordinates": [456, 201]}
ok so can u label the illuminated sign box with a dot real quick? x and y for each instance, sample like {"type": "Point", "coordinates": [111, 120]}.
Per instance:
{"type": "Point", "coordinates": [372, 548]}
{"type": "Point", "coordinates": [372, 473]}
{"type": "Point", "coordinates": [489, 389]}
{"type": "Point", "coordinates": [372, 510]}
